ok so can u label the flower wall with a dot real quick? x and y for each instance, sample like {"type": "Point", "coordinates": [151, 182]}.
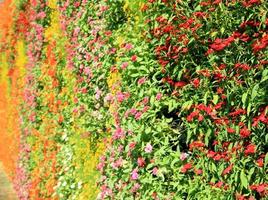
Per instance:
{"type": "Point", "coordinates": [144, 99]}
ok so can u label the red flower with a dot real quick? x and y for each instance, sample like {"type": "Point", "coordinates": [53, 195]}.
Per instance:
{"type": "Point", "coordinates": [134, 58]}
{"type": "Point", "coordinates": [187, 24]}
{"type": "Point", "coordinates": [242, 66]}
{"type": "Point", "coordinates": [244, 37]}
{"type": "Point", "coordinates": [220, 44]}
{"type": "Point", "coordinates": [198, 171]}
{"type": "Point", "coordinates": [250, 149]}
{"type": "Point", "coordinates": [200, 118]}
{"type": "Point", "coordinates": [61, 118]}
{"type": "Point", "coordinates": [196, 144]}
{"type": "Point", "coordinates": [141, 162]}
{"type": "Point", "coordinates": [230, 130]}
{"type": "Point", "coordinates": [260, 162]}
{"type": "Point", "coordinates": [260, 188]}
{"type": "Point", "coordinates": [211, 154]}
{"type": "Point", "coordinates": [251, 3]}
{"type": "Point", "coordinates": [220, 90]}
{"type": "Point", "coordinates": [180, 84]}
{"type": "Point", "coordinates": [260, 44]}
{"type": "Point", "coordinates": [200, 14]}
{"type": "Point", "coordinates": [217, 157]}
{"type": "Point", "coordinates": [219, 184]}
{"type": "Point", "coordinates": [186, 167]}
{"type": "Point", "coordinates": [244, 132]}
{"type": "Point", "coordinates": [192, 116]}
{"type": "Point", "coordinates": [237, 112]}
{"type": "Point", "coordinates": [219, 105]}
{"type": "Point", "coordinates": [196, 82]}
{"type": "Point", "coordinates": [227, 170]}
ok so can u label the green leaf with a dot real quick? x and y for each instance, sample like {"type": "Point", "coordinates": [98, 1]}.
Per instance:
{"type": "Point", "coordinates": [248, 109]}
{"type": "Point", "coordinates": [215, 99]}
{"type": "Point", "coordinates": [174, 162]}
{"type": "Point", "coordinates": [213, 167]}
{"type": "Point", "coordinates": [244, 99]}
{"type": "Point", "coordinates": [205, 97]}
{"type": "Point", "coordinates": [251, 172]}
{"type": "Point", "coordinates": [187, 105]}
{"type": "Point", "coordinates": [254, 92]}
{"type": "Point", "coordinates": [207, 136]}
{"type": "Point", "coordinates": [197, 8]}
{"type": "Point", "coordinates": [244, 180]}
{"type": "Point", "coordinates": [264, 75]}
{"type": "Point", "coordinates": [266, 160]}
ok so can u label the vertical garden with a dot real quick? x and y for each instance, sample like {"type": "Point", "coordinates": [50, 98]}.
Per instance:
{"type": "Point", "coordinates": [135, 99]}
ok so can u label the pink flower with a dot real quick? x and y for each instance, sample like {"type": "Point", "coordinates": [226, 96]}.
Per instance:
{"type": "Point", "coordinates": [158, 96]}
{"type": "Point", "coordinates": [41, 15]}
{"type": "Point", "coordinates": [124, 65]}
{"type": "Point", "coordinates": [133, 111]}
{"type": "Point", "coordinates": [108, 97]}
{"type": "Point", "coordinates": [120, 97]}
{"type": "Point", "coordinates": [76, 4]}
{"type": "Point", "coordinates": [98, 93]}
{"type": "Point", "coordinates": [145, 109]}
{"type": "Point", "coordinates": [134, 174]}
{"type": "Point", "coordinates": [155, 171]}
{"type": "Point", "coordinates": [128, 46]}
{"type": "Point", "coordinates": [148, 148]}
{"type": "Point", "coordinates": [119, 133]}
{"type": "Point", "coordinates": [32, 117]}
{"type": "Point", "coordinates": [132, 145]}
{"type": "Point", "coordinates": [198, 171]}
{"type": "Point", "coordinates": [141, 162]}
{"type": "Point", "coordinates": [135, 188]}
{"type": "Point", "coordinates": [118, 163]}
{"type": "Point", "coordinates": [227, 170]}
{"type": "Point", "coordinates": [76, 31]}
{"type": "Point", "coordinates": [100, 166]}
{"type": "Point", "coordinates": [120, 148]}
{"type": "Point", "coordinates": [145, 100]}
{"type": "Point", "coordinates": [134, 58]}
{"type": "Point", "coordinates": [141, 80]}
{"type": "Point", "coordinates": [138, 115]}
{"type": "Point", "coordinates": [87, 71]}
{"type": "Point", "coordinates": [183, 156]}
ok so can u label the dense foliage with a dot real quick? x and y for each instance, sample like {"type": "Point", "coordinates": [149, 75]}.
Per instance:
{"type": "Point", "coordinates": [171, 96]}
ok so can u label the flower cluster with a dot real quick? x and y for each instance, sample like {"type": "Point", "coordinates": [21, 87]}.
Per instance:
{"type": "Point", "coordinates": [144, 99]}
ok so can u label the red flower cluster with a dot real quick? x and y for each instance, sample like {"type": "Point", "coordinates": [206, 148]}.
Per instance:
{"type": "Point", "coordinates": [227, 170]}
{"type": "Point", "coordinates": [260, 44]}
{"type": "Point", "coordinates": [244, 132]}
{"type": "Point", "coordinates": [186, 167]}
{"type": "Point", "coordinates": [250, 149]}
{"type": "Point", "coordinates": [178, 84]}
{"type": "Point", "coordinates": [249, 3]}
{"type": "Point", "coordinates": [220, 44]}
{"type": "Point", "coordinates": [260, 188]}
{"type": "Point", "coordinates": [196, 144]}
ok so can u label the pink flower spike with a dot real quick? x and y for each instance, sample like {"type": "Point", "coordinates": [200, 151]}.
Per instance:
{"type": "Point", "coordinates": [134, 174]}
{"type": "Point", "coordinates": [148, 148]}
{"type": "Point", "coordinates": [141, 80]}
{"type": "Point", "coordinates": [128, 46]}
{"type": "Point", "coordinates": [155, 170]}
{"type": "Point", "coordinates": [183, 156]}
{"type": "Point", "coordinates": [158, 96]}
{"type": "Point", "coordinates": [124, 65]}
